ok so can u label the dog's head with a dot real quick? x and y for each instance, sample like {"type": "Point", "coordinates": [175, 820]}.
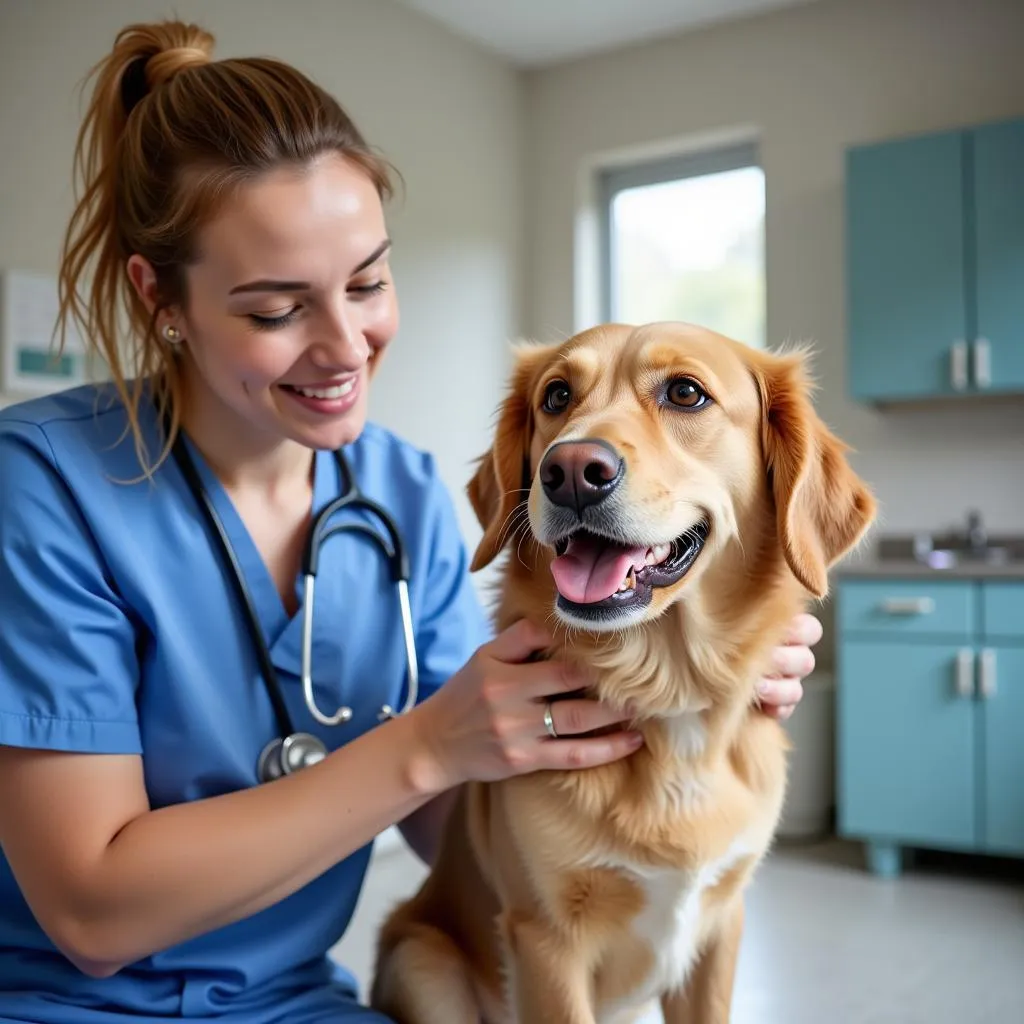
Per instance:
{"type": "Point", "coordinates": [639, 455]}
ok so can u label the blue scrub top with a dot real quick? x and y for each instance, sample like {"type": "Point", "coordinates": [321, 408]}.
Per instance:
{"type": "Point", "coordinates": [120, 633]}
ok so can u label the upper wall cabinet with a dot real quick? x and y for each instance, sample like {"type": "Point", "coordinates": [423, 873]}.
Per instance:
{"type": "Point", "coordinates": [935, 265]}
{"type": "Point", "coordinates": [998, 191]}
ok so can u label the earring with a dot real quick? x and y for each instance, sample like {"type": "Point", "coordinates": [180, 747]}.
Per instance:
{"type": "Point", "coordinates": [171, 334]}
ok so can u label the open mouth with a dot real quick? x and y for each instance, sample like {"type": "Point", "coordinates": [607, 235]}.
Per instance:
{"type": "Point", "coordinates": [596, 576]}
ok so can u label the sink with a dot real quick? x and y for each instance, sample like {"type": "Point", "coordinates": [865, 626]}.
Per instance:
{"type": "Point", "coordinates": [948, 551]}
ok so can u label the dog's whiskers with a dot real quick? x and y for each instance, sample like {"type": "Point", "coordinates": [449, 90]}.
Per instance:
{"type": "Point", "coordinates": [509, 522]}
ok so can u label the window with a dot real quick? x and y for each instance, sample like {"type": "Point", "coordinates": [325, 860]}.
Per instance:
{"type": "Point", "coordinates": [684, 240]}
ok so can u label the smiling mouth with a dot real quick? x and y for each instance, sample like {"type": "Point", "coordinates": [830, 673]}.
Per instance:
{"type": "Point", "coordinates": [598, 577]}
{"type": "Point", "coordinates": [325, 393]}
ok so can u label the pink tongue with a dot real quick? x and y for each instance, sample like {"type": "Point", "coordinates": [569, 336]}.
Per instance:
{"type": "Point", "coordinates": [592, 570]}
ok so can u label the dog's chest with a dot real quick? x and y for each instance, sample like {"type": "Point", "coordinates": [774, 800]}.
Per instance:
{"type": "Point", "coordinates": [669, 923]}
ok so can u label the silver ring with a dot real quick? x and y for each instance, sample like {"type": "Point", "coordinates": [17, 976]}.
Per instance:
{"type": "Point", "coordinates": [549, 722]}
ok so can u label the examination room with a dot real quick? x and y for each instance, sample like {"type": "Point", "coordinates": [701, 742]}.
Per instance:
{"type": "Point", "coordinates": [512, 512]}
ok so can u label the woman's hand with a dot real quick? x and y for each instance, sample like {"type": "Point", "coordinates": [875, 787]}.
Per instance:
{"type": "Point", "coordinates": [782, 689]}
{"type": "Point", "coordinates": [487, 722]}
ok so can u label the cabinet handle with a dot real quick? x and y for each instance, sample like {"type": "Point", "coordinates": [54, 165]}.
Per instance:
{"type": "Point", "coordinates": [982, 353]}
{"type": "Point", "coordinates": [908, 605]}
{"type": "Point", "coordinates": [987, 674]}
{"type": "Point", "coordinates": [965, 672]}
{"type": "Point", "coordinates": [958, 365]}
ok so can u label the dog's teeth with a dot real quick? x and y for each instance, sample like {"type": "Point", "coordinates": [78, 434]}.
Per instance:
{"type": "Point", "coordinates": [629, 582]}
{"type": "Point", "coordinates": [658, 554]}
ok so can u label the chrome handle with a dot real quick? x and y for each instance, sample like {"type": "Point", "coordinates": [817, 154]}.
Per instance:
{"type": "Point", "coordinates": [982, 353]}
{"type": "Point", "coordinates": [908, 605]}
{"type": "Point", "coordinates": [987, 674]}
{"type": "Point", "coordinates": [958, 366]}
{"type": "Point", "coordinates": [965, 672]}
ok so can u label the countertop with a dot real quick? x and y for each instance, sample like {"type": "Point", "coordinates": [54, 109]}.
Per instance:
{"type": "Point", "coordinates": [873, 568]}
{"type": "Point", "coordinates": [893, 558]}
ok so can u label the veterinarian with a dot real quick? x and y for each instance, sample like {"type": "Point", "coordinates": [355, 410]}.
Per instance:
{"type": "Point", "coordinates": [234, 217]}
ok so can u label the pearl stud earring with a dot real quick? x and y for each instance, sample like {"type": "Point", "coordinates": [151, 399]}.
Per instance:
{"type": "Point", "coordinates": [171, 334]}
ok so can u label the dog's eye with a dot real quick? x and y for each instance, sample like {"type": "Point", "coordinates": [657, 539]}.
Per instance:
{"type": "Point", "coordinates": [557, 397]}
{"type": "Point", "coordinates": [686, 393]}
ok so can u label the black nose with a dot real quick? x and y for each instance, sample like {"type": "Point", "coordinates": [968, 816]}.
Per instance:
{"type": "Point", "coordinates": [576, 474]}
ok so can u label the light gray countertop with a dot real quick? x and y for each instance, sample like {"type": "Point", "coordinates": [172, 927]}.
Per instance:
{"type": "Point", "coordinates": [893, 558]}
{"type": "Point", "coordinates": [873, 568]}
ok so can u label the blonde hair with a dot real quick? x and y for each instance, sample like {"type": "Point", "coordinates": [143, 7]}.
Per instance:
{"type": "Point", "coordinates": [168, 134]}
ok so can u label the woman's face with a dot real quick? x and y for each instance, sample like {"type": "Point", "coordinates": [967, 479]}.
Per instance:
{"type": "Point", "coordinates": [290, 304]}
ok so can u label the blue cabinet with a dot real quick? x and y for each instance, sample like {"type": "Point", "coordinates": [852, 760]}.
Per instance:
{"type": "Point", "coordinates": [1002, 753]}
{"type": "Point", "coordinates": [998, 193]}
{"type": "Point", "coordinates": [934, 263]}
{"type": "Point", "coordinates": [905, 265]}
{"type": "Point", "coordinates": [929, 716]}
{"type": "Point", "coordinates": [907, 747]}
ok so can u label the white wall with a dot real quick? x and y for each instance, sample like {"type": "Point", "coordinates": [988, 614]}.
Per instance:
{"type": "Point", "coordinates": [811, 81]}
{"type": "Point", "coordinates": [445, 112]}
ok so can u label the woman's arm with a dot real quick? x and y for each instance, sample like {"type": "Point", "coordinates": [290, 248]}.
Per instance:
{"type": "Point", "coordinates": [111, 881]}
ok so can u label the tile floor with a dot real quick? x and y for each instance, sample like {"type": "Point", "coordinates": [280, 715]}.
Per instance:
{"type": "Point", "coordinates": [826, 943]}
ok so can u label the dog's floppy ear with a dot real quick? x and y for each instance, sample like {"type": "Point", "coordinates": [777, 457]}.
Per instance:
{"type": "Point", "coordinates": [822, 507]}
{"type": "Point", "coordinates": [496, 488]}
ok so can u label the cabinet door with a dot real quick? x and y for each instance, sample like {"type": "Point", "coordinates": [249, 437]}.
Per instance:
{"type": "Point", "coordinates": [905, 267]}
{"type": "Point", "coordinates": [999, 230]}
{"type": "Point", "coordinates": [906, 743]}
{"type": "Point", "coordinates": [1001, 693]}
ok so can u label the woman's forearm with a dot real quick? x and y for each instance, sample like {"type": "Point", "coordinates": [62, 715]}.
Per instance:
{"type": "Point", "coordinates": [177, 872]}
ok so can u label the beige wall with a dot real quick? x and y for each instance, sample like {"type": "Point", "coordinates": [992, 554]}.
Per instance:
{"type": "Point", "coordinates": [809, 81]}
{"type": "Point", "coordinates": [445, 112]}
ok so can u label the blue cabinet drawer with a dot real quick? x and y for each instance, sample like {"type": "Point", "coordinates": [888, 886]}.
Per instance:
{"type": "Point", "coordinates": [926, 608]}
{"type": "Point", "coordinates": [1003, 611]}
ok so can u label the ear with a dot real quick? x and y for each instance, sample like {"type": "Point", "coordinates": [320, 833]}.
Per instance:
{"type": "Point", "coordinates": [496, 488]}
{"type": "Point", "coordinates": [822, 507]}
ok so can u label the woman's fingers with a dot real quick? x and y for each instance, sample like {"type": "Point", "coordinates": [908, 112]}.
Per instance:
{"type": "Point", "coordinates": [779, 697]}
{"type": "Point", "coordinates": [793, 661]}
{"type": "Point", "coordinates": [575, 717]}
{"type": "Point", "coordinates": [590, 752]}
{"type": "Point", "coordinates": [804, 631]}
{"type": "Point", "coordinates": [519, 641]}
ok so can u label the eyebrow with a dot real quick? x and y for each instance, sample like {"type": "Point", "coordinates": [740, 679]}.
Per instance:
{"type": "Point", "coordinates": [268, 285]}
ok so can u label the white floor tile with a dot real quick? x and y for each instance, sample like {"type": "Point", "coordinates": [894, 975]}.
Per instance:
{"type": "Point", "coordinates": [826, 943]}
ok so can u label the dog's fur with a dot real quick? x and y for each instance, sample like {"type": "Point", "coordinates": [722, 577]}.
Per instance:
{"type": "Point", "coordinates": [576, 897]}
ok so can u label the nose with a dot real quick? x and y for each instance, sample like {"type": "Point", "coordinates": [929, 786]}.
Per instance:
{"type": "Point", "coordinates": [576, 474]}
{"type": "Point", "coordinates": [342, 343]}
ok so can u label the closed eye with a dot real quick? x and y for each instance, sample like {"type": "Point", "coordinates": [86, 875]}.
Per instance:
{"type": "Point", "coordinates": [269, 323]}
{"type": "Point", "coordinates": [369, 289]}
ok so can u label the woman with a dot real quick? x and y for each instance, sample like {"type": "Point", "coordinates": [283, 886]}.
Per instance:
{"type": "Point", "coordinates": [237, 214]}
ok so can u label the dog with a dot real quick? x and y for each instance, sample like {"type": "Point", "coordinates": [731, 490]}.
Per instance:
{"type": "Point", "coordinates": [670, 500]}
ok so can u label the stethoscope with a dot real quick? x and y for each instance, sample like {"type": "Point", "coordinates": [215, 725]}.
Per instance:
{"type": "Point", "coordinates": [291, 749]}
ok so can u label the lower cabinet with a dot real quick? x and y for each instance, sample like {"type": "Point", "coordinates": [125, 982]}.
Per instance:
{"type": "Point", "coordinates": [930, 716]}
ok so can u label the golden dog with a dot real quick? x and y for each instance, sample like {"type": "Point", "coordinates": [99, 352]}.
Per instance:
{"type": "Point", "coordinates": [683, 500]}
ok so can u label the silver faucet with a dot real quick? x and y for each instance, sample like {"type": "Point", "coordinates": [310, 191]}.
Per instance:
{"type": "Point", "coordinates": [977, 538]}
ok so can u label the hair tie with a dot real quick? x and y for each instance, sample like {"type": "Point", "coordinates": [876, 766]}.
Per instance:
{"type": "Point", "coordinates": [134, 86]}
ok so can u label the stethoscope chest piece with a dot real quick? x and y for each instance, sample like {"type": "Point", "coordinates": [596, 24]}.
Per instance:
{"type": "Point", "coordinates": [283, 757]}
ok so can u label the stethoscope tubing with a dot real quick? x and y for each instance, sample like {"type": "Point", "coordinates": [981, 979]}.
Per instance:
{"type": "Point", "coordinates": [292, 750]}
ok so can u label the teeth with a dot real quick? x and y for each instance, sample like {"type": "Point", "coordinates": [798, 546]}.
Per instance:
{"type": "Point", "coordinates": [629, 583]}
{"type": "Point", "coordinates": [336, 391]}
{"type": "Point", "coordinates": [658, 554]}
